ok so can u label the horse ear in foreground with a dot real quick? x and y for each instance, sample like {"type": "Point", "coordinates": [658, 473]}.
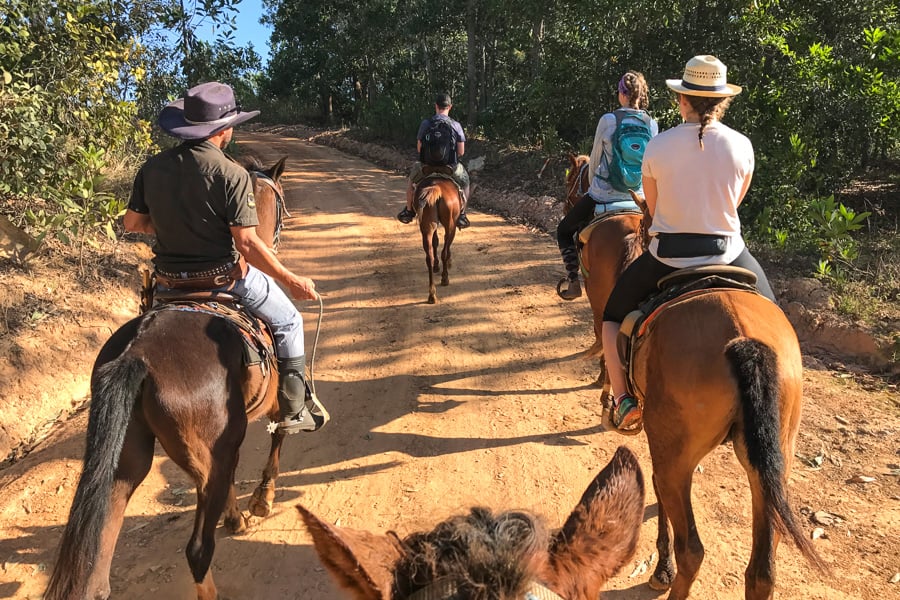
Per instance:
{"type": "Point", "coordinates": [437, 204]}
{"type": "Point", "coordinates": [485, 556]}
{"type": "Point", "coordinates": [722, 364]}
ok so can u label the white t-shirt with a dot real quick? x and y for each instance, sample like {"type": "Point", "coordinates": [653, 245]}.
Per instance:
{"type": "Point", "coordinates": [698, 190]}
{"type": "Point", "coordinates": [601, 155]}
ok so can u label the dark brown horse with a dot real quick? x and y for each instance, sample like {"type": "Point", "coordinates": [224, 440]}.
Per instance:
{"type": "Point", "coordinates": [483, 556]}
{"type": "Point", "coordinates": [177, 376]}
{"type": "Point", "coordinates": [578, 179]}
{"type": "Point", "coordinates": [721, 365]}
{"type": "Point", "coordinates": [437, 204]}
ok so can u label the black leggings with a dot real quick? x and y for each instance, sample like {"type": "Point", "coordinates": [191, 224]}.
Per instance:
{"type": "Point", "coordinates": [639, 281]}
{"type": "Point", "coordinates": [577, 216]}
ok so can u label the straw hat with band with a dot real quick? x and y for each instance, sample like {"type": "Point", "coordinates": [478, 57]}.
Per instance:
{"type": "Point", "coordinates": [704, 76]}
{"type": "Point", "coordinates": [204, 111]}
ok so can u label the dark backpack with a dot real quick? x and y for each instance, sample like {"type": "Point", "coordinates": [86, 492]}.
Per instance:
{"type": "Point", "coordinates": [629, 141]}
{"type": "Point", "coordinates": [439, 144]}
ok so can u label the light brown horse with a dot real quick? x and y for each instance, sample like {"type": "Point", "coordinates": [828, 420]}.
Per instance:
{"type": "Point", "coordinates": [578, 179]}
{"type": "Point", "coordinates": [269, 196]}
{"type": "Point", "coordinates": [715, 366]}
{"type": "Point", "coordinates": [179, 376]}
{"type": "Point", "coordinates": [483, 556]}
{"type": "Point", "coordinates": [437, 204]}
{"type": "Point", "coordinates": [612, 245]}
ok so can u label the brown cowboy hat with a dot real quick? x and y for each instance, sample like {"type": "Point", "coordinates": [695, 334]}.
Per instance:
{"type": "Point", "coordinates": [205, 110]}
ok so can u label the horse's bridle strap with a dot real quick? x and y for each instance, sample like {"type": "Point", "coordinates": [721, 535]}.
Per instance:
{"type": "Point", "coordinates": [445, 589]}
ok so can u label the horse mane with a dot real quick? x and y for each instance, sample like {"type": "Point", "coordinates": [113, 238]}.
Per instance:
{"type": "Point", "coordinates": [249, 162]}
{"type": "Point", "coordinates": [487, 556]}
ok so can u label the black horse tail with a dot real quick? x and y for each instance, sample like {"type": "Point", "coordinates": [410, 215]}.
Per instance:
{"type": "Point", "coordinates": [114, 390]}
{"type": "Point", "coordinates": [755, 367]}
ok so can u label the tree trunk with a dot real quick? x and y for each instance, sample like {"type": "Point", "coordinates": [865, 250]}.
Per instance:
{"type": "Point", "coordinates": [537, 40]}
{"type": "Point", "coordinates": [471, 66]}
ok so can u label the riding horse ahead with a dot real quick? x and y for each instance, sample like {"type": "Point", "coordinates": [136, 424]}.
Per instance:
{"type": "Point", "coordinates": [712, 360]}
{"type": "Point", "coordinates": [438, 203]}
{"type": "Point", "coordinates": [192, 374]}
{"type": "Point", "coordinates": [608, 244]}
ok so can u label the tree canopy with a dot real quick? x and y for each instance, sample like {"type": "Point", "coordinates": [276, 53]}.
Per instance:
{"type": "Point", "coordinates": [82, 80]}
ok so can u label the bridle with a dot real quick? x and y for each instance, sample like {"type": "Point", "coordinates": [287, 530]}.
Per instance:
{"type": "Point", "coordinates": [577, 186]}
{"type": "Point", "coordinates": [280, 204]}
{"type": "Point", "coordinates": [446, 589]}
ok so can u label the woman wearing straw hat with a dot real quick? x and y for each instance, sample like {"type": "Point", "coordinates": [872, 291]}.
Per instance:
{"type": "Point", "coordinates": [199, 204]}
{"type": "Point", "coordinates": [695, 176]}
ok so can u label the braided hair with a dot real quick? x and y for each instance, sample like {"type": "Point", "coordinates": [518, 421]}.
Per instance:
{"type": "Point", "coordinates": [708, 109]}
{"type": "Point", "coordinates": [635, 87]}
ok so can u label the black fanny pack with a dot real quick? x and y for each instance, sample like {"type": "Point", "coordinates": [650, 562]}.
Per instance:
{"type": "Point", "coordinates": [689, 245]}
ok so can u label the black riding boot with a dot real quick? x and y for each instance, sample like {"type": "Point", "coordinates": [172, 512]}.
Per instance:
{"type": "Point", "coordinates": [569, 288]}
{"type": "Point", "coordinates": [462, 221]}
{"type": "Point", "coordinates": [300, 408]}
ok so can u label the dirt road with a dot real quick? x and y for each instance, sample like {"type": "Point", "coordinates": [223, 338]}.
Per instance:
{"type": "Point", "coordinates": [480, 399]}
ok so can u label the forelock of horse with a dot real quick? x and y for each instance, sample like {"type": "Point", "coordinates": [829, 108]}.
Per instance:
{"type": "Point", "coordinates": [486, 556]}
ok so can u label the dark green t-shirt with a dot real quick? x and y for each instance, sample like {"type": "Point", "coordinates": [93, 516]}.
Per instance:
{"type": "Point", "coordinates": [194, 194]}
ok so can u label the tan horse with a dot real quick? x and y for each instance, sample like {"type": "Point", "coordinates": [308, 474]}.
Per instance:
{"type": "Point", "coordinates": [437, 204]}
{"type": "Point", "coordinates": [721, 365]}
{"type": "Point", "coordinates": [578, 179]}
{"type": "Point", "coordinates": [509, 555]}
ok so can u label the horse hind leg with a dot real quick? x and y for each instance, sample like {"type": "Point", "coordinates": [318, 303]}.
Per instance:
{"type": "Point", "coordinates": [435, 243]}
{"type": "Point", "coordinates": [759, 578]}
{"type": "Point", "coordinates": [672, 483]}
{"type": "Point", "coordinates": [212, 497]}
{"type": "Point", "coordinates": [449, 234]}
{"type": "Point", "coordinates": [134, 464]}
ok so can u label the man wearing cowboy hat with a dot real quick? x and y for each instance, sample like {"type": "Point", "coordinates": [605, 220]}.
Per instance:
{"type": "Point", "coordinates": [199, 204]}
{"type": "Point", "coordinates": [695, 176]}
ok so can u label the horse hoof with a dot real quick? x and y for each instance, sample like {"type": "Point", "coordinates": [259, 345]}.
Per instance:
{"type": "Point", "coordinates": [236, 525]}
{"type": "Point", "coordinates": [432, 300]}
{"type": "Point", "coordinates": [660, 583]}
{"type": "Point", "coordinates": [445, 282]}
{"type": "Point", "coordinates": [261, 502]}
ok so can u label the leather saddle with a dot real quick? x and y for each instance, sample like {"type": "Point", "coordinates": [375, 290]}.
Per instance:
{"type": "Point", "coordinates": [673, 289]}
{"type": "Point", "coordinates": [259, 343]}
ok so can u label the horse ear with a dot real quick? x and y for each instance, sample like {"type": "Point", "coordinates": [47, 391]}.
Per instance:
{"type": "Point", "coordinates": [360, 562]}
{"type": "Point", "coordinates": [601, 534]}
{"type": "Point", "coordinates": [277, 170]}
{"type": "Point", "coordinates": [572, 156]}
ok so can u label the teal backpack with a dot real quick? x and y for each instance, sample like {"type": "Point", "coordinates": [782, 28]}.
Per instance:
{"type": "Point", "coordinates": [628, 144]}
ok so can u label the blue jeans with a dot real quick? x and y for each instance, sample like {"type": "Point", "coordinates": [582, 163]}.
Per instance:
{"type": "Point", "coordinates": [262, 297]}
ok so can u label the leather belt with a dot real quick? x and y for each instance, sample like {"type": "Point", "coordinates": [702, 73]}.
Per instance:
{"type": "Point", "coordinates": [218, 277]}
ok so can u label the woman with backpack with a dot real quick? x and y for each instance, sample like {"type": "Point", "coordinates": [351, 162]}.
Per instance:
{"type": "Point", "coordinates": [619, 143]}
{"type": "Point", "coordinates": [695, 176]}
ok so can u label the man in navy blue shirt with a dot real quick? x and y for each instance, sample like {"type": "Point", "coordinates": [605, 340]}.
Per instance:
{"type": "Point", "coordinates": [453, 167]}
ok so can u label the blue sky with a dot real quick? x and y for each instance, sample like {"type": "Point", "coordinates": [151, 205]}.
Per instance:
{"type": "Point", "coordinates": [249, 30]}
